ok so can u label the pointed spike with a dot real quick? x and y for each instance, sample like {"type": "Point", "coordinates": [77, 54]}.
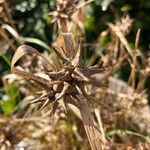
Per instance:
{"type": "Point", "coordinates": [62, 102]}
{"type": "Point", "coordinates": [39, 92]}
{"type": "Point", "coordinates": [39, 99]}
{"type": "Point", "coordinates": [66, 76]}
{"type": "Point", "coordinates": [94, 70]}
{"type": "Point", "coordinates": [55, 75]}
{"type": "Point", "coordinates": [45, 104]}
{"type": "Point", "coordinates": [80, 73]}
{"type": "Point", "coordinates": [77, 78]}
{"type": "Point", "coordinates": [36, 101]}
{"type": "Point", "coordinates": [61, 57]}
{"type": "Point", "coordinates": [79, 52]}
{"type": "Point", "coordinates": [63, 92]}
{"type": "Point", "coordinates": [54, 107]}
{"type": "Point", "coordinates": [44, 95]}
{"type": "Point", "coordinates": [77, 61]}
{"type": "Point", "coordinates": [80, 89]}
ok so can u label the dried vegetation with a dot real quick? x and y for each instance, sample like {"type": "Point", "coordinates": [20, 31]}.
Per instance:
{"type": "Point", "coordinates": [63, 96]}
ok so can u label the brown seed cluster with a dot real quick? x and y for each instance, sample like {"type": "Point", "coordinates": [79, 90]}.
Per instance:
{"type": "Point", "coordinates": [66, 84]}
{"type": "Point", "coordinates": [64, 9]}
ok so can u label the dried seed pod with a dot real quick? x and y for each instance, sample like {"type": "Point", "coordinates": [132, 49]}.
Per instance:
{"type": "Point", "coordinates": [70, 81]}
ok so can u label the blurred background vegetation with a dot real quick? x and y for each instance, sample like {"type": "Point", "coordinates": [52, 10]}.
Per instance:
{"type": "Point", "coordinates": [32, 20]}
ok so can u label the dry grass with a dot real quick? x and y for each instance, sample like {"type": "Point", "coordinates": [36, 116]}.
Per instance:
{"type": "Point", "coordinates": [114, 114]}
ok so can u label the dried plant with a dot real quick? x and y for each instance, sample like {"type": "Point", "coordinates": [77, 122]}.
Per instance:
{"type": "Point", "coordinates": [68, 11]}
{"type": "Point", "coordinates": [5, 13]}
{"type": "Point", "coordinates": [124, 24]}
{"type": "Point", "coordinates": [67, 85]}
{"type": "Point", "coordinates": [78, 86]}
{"type": "Point", "coordinates": [102, 102]}
{"type": "Point", "coordinates": [7, 27]}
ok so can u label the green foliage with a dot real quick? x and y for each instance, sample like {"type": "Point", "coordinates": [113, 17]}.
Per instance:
{"type": "Point", "coordinates": [11, 99]}
{"type": "Point", "coordinates": [33, 19]}
{"type": "Point", "coordinates": [5, 58]}
{"type": "Point", "coordinates": [127, 132]}
{"type": "Point", "coordinates": [38, 42]}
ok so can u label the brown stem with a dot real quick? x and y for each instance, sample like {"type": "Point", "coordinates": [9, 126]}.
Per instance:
{"type": "Point", "coordinates": [63, 25]}
{"type": "Point", "coordinates": [93, 134]}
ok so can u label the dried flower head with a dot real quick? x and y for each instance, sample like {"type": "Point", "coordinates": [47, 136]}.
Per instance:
{"type": "Point", "coordinates": [66, 86]}
{"type": "Point", "coordinates": [5, 13]}
{"type": "Point", "coordinates": [125, 24]}
{"type": "Point", "coordinates": [67, 83]}
{"type": "Point", "coordinates": [65, 9]}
